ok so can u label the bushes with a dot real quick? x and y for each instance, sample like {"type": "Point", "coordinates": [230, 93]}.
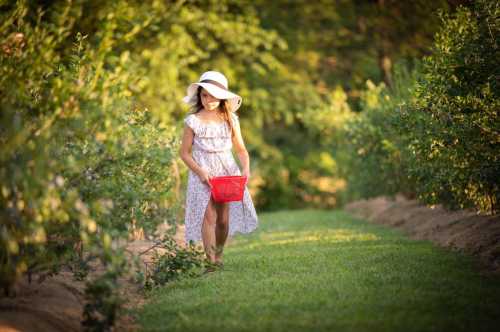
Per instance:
{"type": "Point", "coordinates": [437, 133]}
{"type": "Point", "coordinates": [80, 159]}
{"type": "Point", "coordinates": [455, 136]}
{"type": "Point", "coordinates": [371, 149]}
{"type": "Point", "coordinates": [172, 262]}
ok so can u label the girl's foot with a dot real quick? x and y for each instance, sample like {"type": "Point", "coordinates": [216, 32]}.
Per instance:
{"type": "Point", "coordinates": [210, 266]}
{"type": "Point", "coordinates": [218, 256]}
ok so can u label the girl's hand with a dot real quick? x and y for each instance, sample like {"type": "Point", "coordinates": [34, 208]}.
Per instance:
{"type": "Point", "coordinates": [205, 177]}
{"type": "Point", "coordinates": [246, 172]}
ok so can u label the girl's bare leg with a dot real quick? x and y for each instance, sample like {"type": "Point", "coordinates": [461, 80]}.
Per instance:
{"type": "Point", "coordinates": [221, 229]}
{"type": "Point", "coordinates": [208, 231]}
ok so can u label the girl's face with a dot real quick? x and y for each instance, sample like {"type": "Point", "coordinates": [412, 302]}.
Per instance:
{"type": "Point", "coordinates": [208, 101]}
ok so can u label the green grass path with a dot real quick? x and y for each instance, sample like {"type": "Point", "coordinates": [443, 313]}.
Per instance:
{"type": "Point", "coordinates": [316, 270]}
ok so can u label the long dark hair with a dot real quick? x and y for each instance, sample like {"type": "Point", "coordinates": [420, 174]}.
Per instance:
{"type": "Point", "coordinates": [223, 107]}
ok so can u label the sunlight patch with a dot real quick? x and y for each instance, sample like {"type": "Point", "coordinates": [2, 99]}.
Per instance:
{"type": "Point", "coordinates": [330, 236]}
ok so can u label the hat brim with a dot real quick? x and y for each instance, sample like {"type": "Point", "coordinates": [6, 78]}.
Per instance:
{"type": "Point", "coordinates": [219, 93]}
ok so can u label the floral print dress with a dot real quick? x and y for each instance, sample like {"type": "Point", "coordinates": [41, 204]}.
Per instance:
{"type": "Point", "coordinates": [212, 151]}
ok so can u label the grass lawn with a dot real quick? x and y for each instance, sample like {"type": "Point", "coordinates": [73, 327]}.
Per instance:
{"type": "Point", "coordinates": [316, 270]}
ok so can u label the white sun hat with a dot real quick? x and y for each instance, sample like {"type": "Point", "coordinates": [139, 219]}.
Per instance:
{"type": "Point", "coordinates": [216, 84]}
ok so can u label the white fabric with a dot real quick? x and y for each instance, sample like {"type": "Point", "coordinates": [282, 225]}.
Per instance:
{"type": "Point", "coordinates": [212, 151]}
{"type": "Point", "coordinates": [214, 76]}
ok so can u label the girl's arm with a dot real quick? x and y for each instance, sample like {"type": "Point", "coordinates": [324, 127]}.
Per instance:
{"type": "Point", "coordinates": [241, 150]}
{"type": "Point", "coordinates": [185, 154]}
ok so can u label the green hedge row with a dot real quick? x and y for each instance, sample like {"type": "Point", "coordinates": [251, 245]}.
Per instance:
{"type": "Point", "coordinates": [436, 133]}
{"type": "Point", "coordinates": [74, 172]}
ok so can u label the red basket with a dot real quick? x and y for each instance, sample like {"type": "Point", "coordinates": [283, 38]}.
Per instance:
{"type": "Point", "coordinates": [228, 188]}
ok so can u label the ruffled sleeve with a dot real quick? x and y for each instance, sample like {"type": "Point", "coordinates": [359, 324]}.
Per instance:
{"type": "Point", "coordinates": [191, 122]}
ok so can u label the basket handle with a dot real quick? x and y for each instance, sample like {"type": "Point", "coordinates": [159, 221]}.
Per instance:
{"type": "Point", "coordinates": [229, 172]}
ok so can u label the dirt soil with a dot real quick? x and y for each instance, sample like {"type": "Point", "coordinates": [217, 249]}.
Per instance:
{"type": "Point", "coordinates": [463, 230]}
{"type": "Point", "coordinates": [57, 303]}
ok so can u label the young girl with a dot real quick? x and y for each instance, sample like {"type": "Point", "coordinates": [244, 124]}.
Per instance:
{"type": "Point", "coordinates": [210, 132]}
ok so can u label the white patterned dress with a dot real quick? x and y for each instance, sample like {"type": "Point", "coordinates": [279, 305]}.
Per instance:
{"type": "Point", "coordinates": [212, 151]}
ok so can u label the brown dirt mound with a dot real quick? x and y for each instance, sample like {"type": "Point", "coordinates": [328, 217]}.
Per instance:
{"type": "Point", "coordinates": [462, 230]}
{"type": "Point", "coordinates": [54, 305]}
{"type": "Point", "coordinates": [57, 303]}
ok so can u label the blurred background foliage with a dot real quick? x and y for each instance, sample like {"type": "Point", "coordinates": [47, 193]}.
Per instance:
{"type": "Point", "coordinates": [341, 100]}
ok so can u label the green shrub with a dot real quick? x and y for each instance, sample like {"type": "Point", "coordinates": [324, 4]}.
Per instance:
{"type": "Point", "coordinates": [172, 263]}
{"type": "Point", "coordinates": [436, 133]}
{"type": "Point", "coordinates": [81, 161]}
{"type": "Point", "coordinates": [454, 126]}
{"type": "Point", "coordinates": [371, 150]}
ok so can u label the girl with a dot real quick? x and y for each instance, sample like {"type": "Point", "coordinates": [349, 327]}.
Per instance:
{"type": "Point", "coordinates": [210, 132]}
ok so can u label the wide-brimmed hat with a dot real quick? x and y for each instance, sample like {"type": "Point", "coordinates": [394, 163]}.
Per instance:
{"type": "Point", "coordinates": [216, 84]}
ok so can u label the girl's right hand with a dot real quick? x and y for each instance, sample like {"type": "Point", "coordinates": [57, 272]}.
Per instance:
{"type": "Point", "coordinates": [205, 177]}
